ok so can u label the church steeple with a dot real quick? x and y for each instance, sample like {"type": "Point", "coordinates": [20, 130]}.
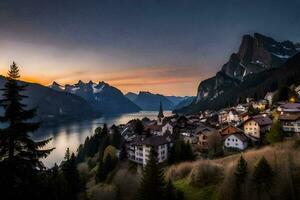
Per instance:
{"type": "Point", "coordinates": [160, 115]}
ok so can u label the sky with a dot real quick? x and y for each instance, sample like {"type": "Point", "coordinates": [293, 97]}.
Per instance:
{"type": "Point", "coordinates": [161, 46]}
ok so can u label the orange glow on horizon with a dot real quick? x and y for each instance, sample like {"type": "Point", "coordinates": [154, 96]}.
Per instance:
{"type": "Point", "coordinates": [134, 80]}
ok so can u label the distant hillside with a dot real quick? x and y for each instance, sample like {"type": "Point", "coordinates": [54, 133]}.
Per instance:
{"type": "Point", "coordinates": [185, 102]}
{"type": "Point", "coordinates": [149, 101]}
{"type": "Point", "coordinates": [256, 54]}
{"type": "Point", "coordinates": [104, 98]}
{"type": "Point", "coordinates": [131, 96]}
{"type": "Point", "coordinates": [177, 99]}
{"type": "Point", "coordinates": [254, 85]}
{"type": "Point", "coordinates": [53, 105]}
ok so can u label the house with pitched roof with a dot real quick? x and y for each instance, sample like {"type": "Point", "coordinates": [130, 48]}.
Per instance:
{"type": "Point", "coordinates": [229, 130]}
{"type": "Point", "coordinates": [257, 125]}
{"type": "Point", "coordinates": [290, 122]}
{"type": "Point", "coordinates": [236, 141]}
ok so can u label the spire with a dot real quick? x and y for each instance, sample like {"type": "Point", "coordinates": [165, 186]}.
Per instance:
{"type": "Point", "coordinates": [161, 112]}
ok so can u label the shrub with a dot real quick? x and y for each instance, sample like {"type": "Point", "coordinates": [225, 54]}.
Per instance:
{"type": "Point", "coordinates": [206, 173]}
{"type": "Point", "coordinates": [179, 171]}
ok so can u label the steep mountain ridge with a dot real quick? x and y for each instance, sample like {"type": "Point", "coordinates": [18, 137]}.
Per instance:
{"type": "Point", "coordinates": [256, 54]}
{"type": "Point", "coordinates": [254, 85]}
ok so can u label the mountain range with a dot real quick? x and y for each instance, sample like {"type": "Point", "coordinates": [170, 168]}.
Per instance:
{"type": "Point", "coordinates": [53, 105]}
{"type": "Point", "coordinates": [150, 101]}
{"type": "Point", "coordinates": [103, 98]}
{"type": "Point", "coordinates": [258, 56]}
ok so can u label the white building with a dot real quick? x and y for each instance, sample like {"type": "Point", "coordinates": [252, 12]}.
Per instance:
{"type": "Point", "coordinates": [241, 108]}
{"type": "Point", "coordinates": [139, 149]}
{"type": "Point", "coordinates": [236, 141]}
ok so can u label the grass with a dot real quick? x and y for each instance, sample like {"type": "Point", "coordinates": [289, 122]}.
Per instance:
{"type": "Point", "coordinates": [195, 193]}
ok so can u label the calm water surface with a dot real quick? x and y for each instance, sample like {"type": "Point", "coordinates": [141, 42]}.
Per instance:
{"type": "Point", "coordinates": [73, 134]}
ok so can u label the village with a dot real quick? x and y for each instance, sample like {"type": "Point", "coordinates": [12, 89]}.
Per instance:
{"type": "Point", "coordinates": [211, 134]}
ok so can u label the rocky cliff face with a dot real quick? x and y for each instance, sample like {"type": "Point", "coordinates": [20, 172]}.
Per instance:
{"type": "Point", "coordinates": [256, 53]}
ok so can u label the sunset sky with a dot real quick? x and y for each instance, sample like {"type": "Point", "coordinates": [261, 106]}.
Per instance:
{"type": "Point", "coordinates": [161, 46]}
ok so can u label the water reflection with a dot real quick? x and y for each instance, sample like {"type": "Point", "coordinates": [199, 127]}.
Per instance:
{"type": "Point", "coordinates": [72, 135]}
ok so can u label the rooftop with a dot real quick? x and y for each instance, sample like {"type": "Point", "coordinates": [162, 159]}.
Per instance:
{"type": "Point", "coordinates": [151, 140]}
{"type": "Point", "coordinates": [261, 120]}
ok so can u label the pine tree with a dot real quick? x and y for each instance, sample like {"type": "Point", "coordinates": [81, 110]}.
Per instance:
{"type": "Point", "coordinates": [180, 152]}
{"type": "Point", "coordinates": [116, 137]}
{"type": "Point", "coordinates": [16, 144]}
{"type": "Point", "coordinates": [20, 155]}
{"type": "Point", "coordinates": [104, 168]}
{"type": "Point", "coordinates": [104, 131]}
{"type": "Point", "coordinates": [152, 185]}
{"type": "Point", "coordinates": [241, 171]}
{"type": "Point", "coordinates": [71, 175]}
{"type": "Point", "coordinates": [276, 133]}
{"type": "Point", "coordinates": [253, 111]}
{"type": "Point", "coordinates": [263, 177]}
{"type": "Point", "coordinates": [138, 127]}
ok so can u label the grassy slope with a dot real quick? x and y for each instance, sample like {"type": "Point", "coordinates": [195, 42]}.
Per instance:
{"type": "Point", "coordinates": [284, 159]}
{"type": "Point", "coordinates": [194, 193]}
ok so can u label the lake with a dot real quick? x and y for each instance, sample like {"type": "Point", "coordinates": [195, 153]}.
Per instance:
{"type": "Point", "coordinates": [72, 135]}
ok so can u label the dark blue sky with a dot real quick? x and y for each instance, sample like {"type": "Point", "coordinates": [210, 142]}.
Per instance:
{"type": "Point", "coordinates": [161, 46]}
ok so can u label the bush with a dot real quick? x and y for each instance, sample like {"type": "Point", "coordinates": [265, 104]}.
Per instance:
{"type": "Point", "coordinates": [206, 173]}
{"type": "Point", "coordinates": [179, 171]}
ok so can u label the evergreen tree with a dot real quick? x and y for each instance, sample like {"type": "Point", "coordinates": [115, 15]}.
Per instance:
{"type": "Point", "coordinates": [19, 154]}
{"type": "Point", "coordinates": [123, 152]}
{"type": "Point", "coordinates": [276, 133]}
{"type": "Point", "coordinates": [241, 171]}
{"type": "Point", "coordinates": [98, 130]}
{"type": "Point", "coordinates": [263, 177]}
{"type": "Point", "coordinates": [104, 131]}
{"type": "Point", "coordinates": [180, 152]}
{"type": "Point", "coordinates": [253, 111]}
{"type": "Point", "coordinates": [104, 168]}
{"type": "Point", "coordinates": [101, 172]}
{"type": "Point", "coordinates": [138, 127]}
{"type": "Point", "coordinates": [71, 175]}
{"type": "Point", "coordinates": [152, 185]}
{"type": "Point", "coordinates": [116, 137]}
{"type": "Point", "coordinates": [67, 154]}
